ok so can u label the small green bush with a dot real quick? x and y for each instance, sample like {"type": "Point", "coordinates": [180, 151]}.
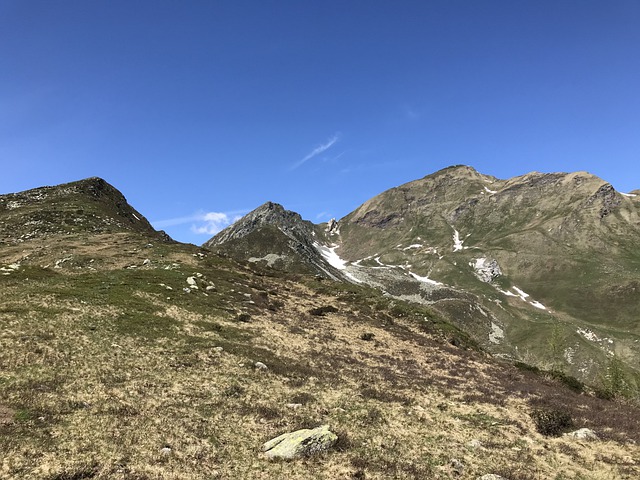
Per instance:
{"type": "Point", "coordinates": [551, 422]}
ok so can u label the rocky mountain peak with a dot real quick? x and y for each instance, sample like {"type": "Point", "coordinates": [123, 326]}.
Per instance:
{"type": "Point", "coordinates": [269, 213]}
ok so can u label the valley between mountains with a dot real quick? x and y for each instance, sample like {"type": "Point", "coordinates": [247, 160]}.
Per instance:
{"type": "Point", "coordinates": [458, 326]}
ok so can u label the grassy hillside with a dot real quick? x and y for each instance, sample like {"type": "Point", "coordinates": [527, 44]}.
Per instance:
{"type": "Point", "coordinates": [124, 357]}
{"type": "Point", "coordinates": [118, 372]}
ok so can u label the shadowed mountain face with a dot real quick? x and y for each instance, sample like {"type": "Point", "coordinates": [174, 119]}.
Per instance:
{"type": "Point", "coordinates": [514, 262]}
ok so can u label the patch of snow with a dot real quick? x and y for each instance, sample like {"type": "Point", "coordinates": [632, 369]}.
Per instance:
{"type": "Point", "coordinates": [457, 243]}
{"type": "Point", "coordinates": [330, 255]}
{"type": "Point", "coordinates": [415, 245]}
{"type": "Point", "coordinates": [628, 194]}
{"type": "Point", "coordinates": [497, 334]}
{"type": "Point", "coordinates": [489, 191]}
{"type": "Point", "coordinates": [7, 270]}
{"type": "Point", "coordinates": [525, 297]}
{"type": "Point", "coordinates": [377, 259]}
{"type": "Point", "coordinates": [135, 216]}
{"type": "Point", "coordinates": [425, 279]}
{"type": "Point", "coordinates": [521, 294]}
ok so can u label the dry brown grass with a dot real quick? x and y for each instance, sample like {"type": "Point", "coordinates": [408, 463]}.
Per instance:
{"type": "Point", "coordinates": [109, 385]}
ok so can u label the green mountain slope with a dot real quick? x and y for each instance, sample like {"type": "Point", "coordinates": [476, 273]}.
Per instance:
{"type": "Point", "coordinates": [542, 267]}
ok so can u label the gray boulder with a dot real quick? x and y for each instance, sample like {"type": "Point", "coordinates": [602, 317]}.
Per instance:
{"type": "Point", "coordinates": [300, 443]}
{"type": "Point", "coordinates": [583, 434]}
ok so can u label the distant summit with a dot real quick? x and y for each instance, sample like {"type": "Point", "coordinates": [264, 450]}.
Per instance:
{"type": "Point", "coordinates": [268, 213]}
{"type": "Point", "coordinates": [272, 236]}
{"type": "Point", "coordinates": [89, 205]}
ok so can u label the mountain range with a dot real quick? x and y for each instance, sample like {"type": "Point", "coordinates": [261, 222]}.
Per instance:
{"type": "Point", "coordinates": [458, 326]}
{"type": "Point", "coordinates": [542, 268]}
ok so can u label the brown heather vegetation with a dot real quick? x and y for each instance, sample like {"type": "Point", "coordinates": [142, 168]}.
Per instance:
{"type": "Point", "coordinates": [106, 373]}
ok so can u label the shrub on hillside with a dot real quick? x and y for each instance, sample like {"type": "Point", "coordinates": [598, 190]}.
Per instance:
{"type": "Point", "coordinates": [551, 422]}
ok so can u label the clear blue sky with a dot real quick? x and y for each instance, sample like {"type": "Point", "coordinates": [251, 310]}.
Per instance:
{"type": "Point", "coordinates": [199, 111]}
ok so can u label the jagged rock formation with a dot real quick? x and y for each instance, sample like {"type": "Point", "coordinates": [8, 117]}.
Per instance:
{"type": "Point", "coordinates": [275, 237]}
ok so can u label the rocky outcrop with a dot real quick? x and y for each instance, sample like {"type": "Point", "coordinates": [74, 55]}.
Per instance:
{"type": "Point", "coordinates": [300, 443]}
{"type": "Point", "coordinates": [267, 214]}
{"type": "Point", "coordinates": [583, 434]}
{"type": "Point", "coordinates": [277, 238]}
{"type": "Point", "coordinates": [486, 269]}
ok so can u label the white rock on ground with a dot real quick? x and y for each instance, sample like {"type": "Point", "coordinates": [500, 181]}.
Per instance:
{"type": "Point", "coordinates": [583, 434]}
{"type": "Point", "coordinates": [300, 443]}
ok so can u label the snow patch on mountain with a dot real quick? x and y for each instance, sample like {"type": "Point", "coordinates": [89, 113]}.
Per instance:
{"type": "Point", "coordinates": [415, 245]}
{"type": "Point", "coordinates": [425, 279]}
{"type": "Point", "coordinates": [330, 255]}
{"type": "Point", "coordinates": [333, 259]}
{"type": "Point", "coordinates": [538, 305]}
{"type": "Point", "coordinates": [457, 243]}
{"type": "Point", "coordinates": [524, 296]}
{"type": "Point", "coordinates": [489, 191]}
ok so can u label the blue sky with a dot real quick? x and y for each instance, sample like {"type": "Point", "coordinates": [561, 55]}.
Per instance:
{"type": "Point", "coordinates": [200, 111]}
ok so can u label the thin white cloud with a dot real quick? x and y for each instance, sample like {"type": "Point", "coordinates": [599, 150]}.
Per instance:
{"type": "Point", "coordinates": [317, 151]}
{"type": "Point", "coordinates": [202, 223]}
{"type": "Point", "coordinates": [411, 114]}
{"type": "Point", "coordinates": [211, 223]}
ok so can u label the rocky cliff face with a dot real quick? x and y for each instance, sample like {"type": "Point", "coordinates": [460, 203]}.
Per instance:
{"type": "Point", "coordinates": [275, 237]}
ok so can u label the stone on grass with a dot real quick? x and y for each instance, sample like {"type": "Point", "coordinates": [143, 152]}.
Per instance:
{"type": "Point", "coordinates": [491, 476]}
{"type": "Point", "coordinates": [300, 443]}
{"type": "Point", "coordinates": [260, 366]}
{"type": "Point", "coordinates": [457, 466]}
{"type": "Point", "coordinates": [475, 443]}
{"type": "Point", "coordinates": [583, 434]}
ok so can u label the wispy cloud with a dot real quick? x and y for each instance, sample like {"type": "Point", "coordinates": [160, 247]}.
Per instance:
{"type": "Point", "coordinates": [317, 151]}
{"type": "Point", "coordinates": [213, 222]}
{"type": "Point", "coordinates": [410, 113]}
{"type": "Point", "coordinates": [202, 222]}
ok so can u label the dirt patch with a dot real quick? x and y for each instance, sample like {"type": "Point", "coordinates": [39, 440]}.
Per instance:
{"type": "Point", "coordinates": [6, 415]}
